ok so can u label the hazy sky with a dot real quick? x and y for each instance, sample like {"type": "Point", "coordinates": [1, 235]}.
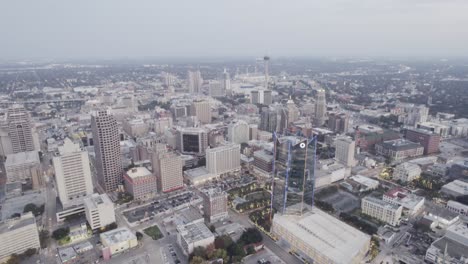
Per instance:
{"type": "Point", "coordinates": [134, 28]}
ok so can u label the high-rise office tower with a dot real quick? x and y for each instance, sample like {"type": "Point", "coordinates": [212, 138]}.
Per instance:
{"type": "Point", "coordinates": [293, 174]}
{"type": "Point", "coordinates": [202, 110]}
{"type": "Point", "coordinates": [192, 140]}
{"type": "Point", "coordinates": [215, 205]}
{"type": "Point", "coordinates": [107, 149]}
{"type": "Point", "coordinates": [416, 115]}
{"type": "Point", "coordinates": [226, 80]}
{"type": "Point", "coordinates": [216, 89]}
{"type": "Point", "coordinates": [345, 148]}
{"type": "Point", "coordinates": [320, 108]}
{"type": "Point", "coordinates": [167, 168]}
{"type": "Point", "coordinates": [292, 111]}
{"type": "Point", "coordinates": [338, 122]}
{"type": "Point", "coordinates": [72, 173]}
{"type": "Point", "coordinates": [169, 79]}
{"type": "Point", "coordinates": [269, 120]}
{"type": "Point", "coordinates": [223, 159]}
{"type": "Point", "coordinates": [267, 97]}
{"type": "Point", "coordinates": [238, 132]}
{"type": "Point", "coordinates": [20, 129]}
{"type": "Point", "coordinates": [266, 60]}
{"type": "Point", "coordinates": [195, 82]}
{"type": "Point", "coordinates": [254, 97]}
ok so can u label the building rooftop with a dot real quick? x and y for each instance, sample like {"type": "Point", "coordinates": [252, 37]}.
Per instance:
{"type": "Point", "coordinates": [67, 254]}
{"type": "Point", "coordinates": [400, 144]}
{"type": "Point", "coordinates": [423, 131]}
{"type": "Point", "coordinates": [117, 236]}
{"type": "Point", "coordinates": [381, 202]}
{"type": "Point", "coordinates": [95, 200]}
{"type": "Point", "coordinates": [22, 158]}
{"type": "Point", "coordinates": [403, 197]}
{"type": "Point", "coordinates": [197, 172]}
{"type": "Point", "coordinates": [326, 234]}
{"type": "Point", "coordinates": [16, 223]}
{"type": "Point", "coordinates": [457, 186]}
{"type": "Point", "coordinates": [364, 180]}
{"type": "Point", "coordinates": [194, 232]}
{"type": "Point", "coordinates": [188, 215]}
{"type": "Point", "coordinates": [263, 155]}
{"type": "Point", "coordinates": [137, 172]}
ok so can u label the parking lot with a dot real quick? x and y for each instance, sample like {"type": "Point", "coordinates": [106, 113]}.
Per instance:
{"type": "Point", "coordinates": [171, 254]}
{"type": "Point", "coordinates": [158, 207]}
{"type": "Point", "coordinates": [342, 201]}
{"type": "Point", "coordinates": [16, 204]}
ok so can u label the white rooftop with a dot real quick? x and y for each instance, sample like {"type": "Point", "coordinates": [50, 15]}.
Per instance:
{"type": "Point", "coordinates": [326, 234]}
{"type": "Point", "coordinates": [117, 236]}
{"type": "Point", "coordinates": [194, 232]}
{"type": "Point", "coordinates": [22, 158]}
{"type": "Point", "coordinates": [457, 186]}
{"type": "Point", "coordinates": [138, 172]}
{"type": "Point", "coordinates": [364, 180]}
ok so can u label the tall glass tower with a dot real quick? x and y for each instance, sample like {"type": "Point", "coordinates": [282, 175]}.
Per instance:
{"type": "Point", "coordinates": [293, 172]}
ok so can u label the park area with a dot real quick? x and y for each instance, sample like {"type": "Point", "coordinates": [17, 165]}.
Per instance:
{"type": "Point", "coordinates": [249, 197]}
{"type": "Point", "coordinates": [154, 232]}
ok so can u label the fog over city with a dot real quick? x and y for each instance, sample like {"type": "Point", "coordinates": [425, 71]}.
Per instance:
{"type": "Point", "coordinates": [136, 29]}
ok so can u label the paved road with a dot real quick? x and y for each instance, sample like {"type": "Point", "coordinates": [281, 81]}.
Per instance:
{"type": "Point", "coordinates": [267, 241]}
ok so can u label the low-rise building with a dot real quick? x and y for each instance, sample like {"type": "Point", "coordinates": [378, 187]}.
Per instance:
{"type": "Point", "coordinates": [321, 238]}
{"type": "Point", "coordinates": [99, 210]}
{"type": "Point", "coordinates": [451, 248]}
{"type": "Point", "coordinates": [359, 183]}
{"type": "Point", "coordinates": [117, 241]}
{"type": "Point", "coordinates": [382, 210]}
{"type": "Point", "coordinates": [441, 217]}
{"type": "Point", "coordinates": [194, 235]}
{"type": "Point", "coordinates": [455, 189]}
{"type": "Point", "coordinates": [328, 172]}
{"type": "Point", "coordinates": [399, 149]}
{"type": "Point", "coordinates": [457, 207]}
{"type": "Point", "coordinates": [18, 235]}
{"type": "Point", "coordinates": [198, 176]}
{"type": "Point", "coordinates": [406, 172]}
{"type": "Point", "coordinates": [412, 204]}
{"type": "Point", "coordinates": [140, 183]}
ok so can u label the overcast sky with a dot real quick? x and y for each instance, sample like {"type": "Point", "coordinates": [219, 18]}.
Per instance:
{"type": "Point", "coordinates": [217, 28]}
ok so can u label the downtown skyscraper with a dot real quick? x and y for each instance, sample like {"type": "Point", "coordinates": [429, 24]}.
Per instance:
{"type": "Point", "coordinates": [107, 149]}
{"type": "Point", "coordinates": [320, 108]}
{"type": "Point", "coordinates": [20, 129]}
{"type": "Point", "coordinates": [194, 82]}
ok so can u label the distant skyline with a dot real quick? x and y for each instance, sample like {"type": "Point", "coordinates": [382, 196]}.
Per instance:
{"type": "Point", "coordinates": [106, 29]}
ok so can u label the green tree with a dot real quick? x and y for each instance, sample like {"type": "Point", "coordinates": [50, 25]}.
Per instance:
{"type": "Point", "coordinates": [14, 259]}
{"type": "Point", "coordinates": [61, 233]}
{"type": "Point", "coordinates": [43, 238]}
{"type": "Point", "coordinates": [236, 249]}
{"type": "Point", "coordinates": [197, 260]}
{"type": "Point", "coordinates": [212, 228]}
{"type": "Point", "coordinates": [223, 242]}
{"type": "Point", "coordinates": [200, 252]}
{"type": "Point", "coordinates": [251, 235]}
{"type": "Point", "coordinates": [139, 236]}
